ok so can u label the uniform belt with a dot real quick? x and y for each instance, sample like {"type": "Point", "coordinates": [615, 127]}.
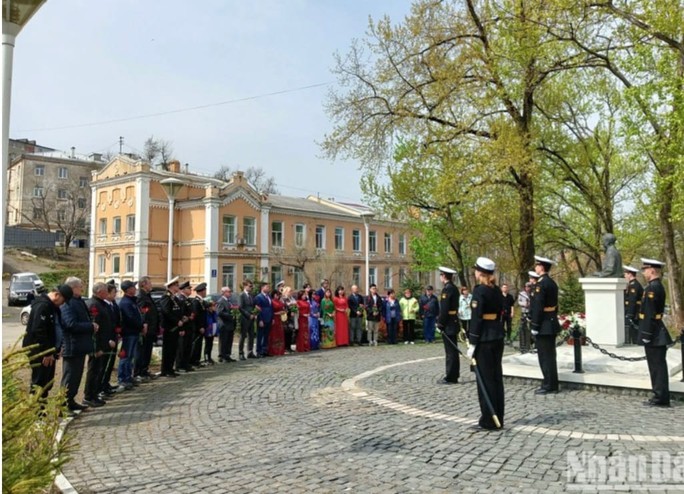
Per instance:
{"type": "Point", "coordinates": [657, 317]}
{"type": "Point", "coordinates": [490, 317]}
{"type": "Point", "coordinates": [453, 312]}
{"type": "Point", "coordinates": [550, 309]}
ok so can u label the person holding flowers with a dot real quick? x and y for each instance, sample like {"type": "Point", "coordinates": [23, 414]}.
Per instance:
{"type": "Point", "coordinates": [341, 317]}
{"type": "Point", "coordinates": [328, 316]}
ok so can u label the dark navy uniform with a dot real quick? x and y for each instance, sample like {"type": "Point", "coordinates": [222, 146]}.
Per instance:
{"type": "Point", "coordinates": [487, 332]}
{"type": "Point", "coordinates": [544, 320]}
{"type": "Point", "coordinates": [633, 294]}
{"type": "Point", "coordinates": [171, 317]}
{"type": "Point", "coordinates": [447, 322]}
{"type": "Point", "coordinates": [151, 317]}
{"type": "Point", "coordinates": [655, 338]}
{"type": "Point", "coordinates": [185, 341]}
{"type": "Point", "coordinates": [199, 311]}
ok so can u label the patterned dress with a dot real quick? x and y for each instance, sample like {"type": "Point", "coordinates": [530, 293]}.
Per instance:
{"type": "Point", "coordinates": [328, 329]}
{"type": "Point", "coordinates": [276, 336]}
{"type": "Point", "coordinates": [304, 310]}
{"type": "Point", "coordinates": [314, 329]}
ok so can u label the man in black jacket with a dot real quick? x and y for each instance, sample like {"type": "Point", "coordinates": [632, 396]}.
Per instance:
{"type": "Point", "coordinates": [356, 311]}
{"type": "Point", "coordinates": [199, 311]}
{"type": "Point", "coordinates": [41, 330]}
{"type": "Point", "coordinates": [151, 317]}
{"type": "Point", "coordinates": [78, 331]}
{"type": "Point", "coordinates": [172, 322]}
{"type": "Point", "coordinates": [133, 328]}
{"type": "Point", "coordinates": [246, 304]}
{"type": "Point", "coordinates": [105, 343]}
{"type": "Point", "coordinates": [544, 324]}
{"type": "Point", "coordinates": [447, 322]}
{"type": "Point", "coordinates": [633, 293]}
{"type": "Point", "coordinates": [226, 324]}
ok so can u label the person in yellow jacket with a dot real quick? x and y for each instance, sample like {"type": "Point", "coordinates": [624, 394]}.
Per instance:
{"type": "Point", "coordinates": [409, 310]}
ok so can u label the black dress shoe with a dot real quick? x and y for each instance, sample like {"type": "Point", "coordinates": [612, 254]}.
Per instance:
{"type": "Point", "coordinates": [481, 428]}
{"type": "Point", "coordinates": [251, 355]}
{"type": "Point", "coordinates": [242, 357]}
{"type": "Point", "coordinates": [540, 391]}
{"type": "Point", "coordinates": [445, 381]}
{"type": "Point", "coordinates": [229, 359]}
{"type": "Point", "coordinates": [654, 403]}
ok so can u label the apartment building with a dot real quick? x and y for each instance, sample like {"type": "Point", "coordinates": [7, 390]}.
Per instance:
{"type": "Point", "coordinates": [225, 231]}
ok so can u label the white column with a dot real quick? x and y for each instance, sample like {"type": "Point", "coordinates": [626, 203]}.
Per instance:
{"type": "Point", "coordinates": [93, 236]}
{"type": "Point", "coordinates": [9, 35]}
{"type": "Point", "coordinates": [265, 238]}
{"type": "Point", "coordinates": [211, 243]}
{"type": "Point", "coordinates": [605, 309]}
{"type": "Point", "coordinates": [142, 227]}
{"type": "Point", "coordinates": [367, 282]}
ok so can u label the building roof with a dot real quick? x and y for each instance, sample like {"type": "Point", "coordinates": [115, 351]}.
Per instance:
{"type": "Point", "coordinates": [306, 204]}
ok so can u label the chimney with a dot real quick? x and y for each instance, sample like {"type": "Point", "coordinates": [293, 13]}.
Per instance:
{"type": "Point", "coordinates": [73, 151]}
{"type": "Point", "coordinates": [174, 166]}
{"type": "Point", "coordinates": [186, 167]}
{"type": "Point", "coordinates": [95, 156]}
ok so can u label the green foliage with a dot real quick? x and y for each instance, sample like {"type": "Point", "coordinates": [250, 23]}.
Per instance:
{"type": "Point", "coordinates": [570, 296]}
{"type": "Point", "coordinates": [30, 458]}
{"type": "Point", "coordinates": [54, 278]}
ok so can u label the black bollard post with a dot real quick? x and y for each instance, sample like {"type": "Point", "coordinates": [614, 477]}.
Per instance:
{"type": "Point", "coordinates": [576, 336]}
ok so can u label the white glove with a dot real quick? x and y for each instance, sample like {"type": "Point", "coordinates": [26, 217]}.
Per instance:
{"type": "Point", "coordinates": [645, 341]}
{"type": "Point", "coordinates": [534, 332]}
{"type": "Point", "coordinates": [471, 350]}
{"type": "Point", "coordinates": [438, 331]}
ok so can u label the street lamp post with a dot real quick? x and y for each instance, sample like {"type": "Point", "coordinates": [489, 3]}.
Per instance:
{"type": "Point", "coordinates": [15, 15]}
{"type": "Point", "coordinates": [367, 217]}
{"type": "Point", "coordinates": [171, 187]}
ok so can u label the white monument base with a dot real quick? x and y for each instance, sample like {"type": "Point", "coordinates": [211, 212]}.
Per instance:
{"type": "Point", "coordinates": [605, 309]}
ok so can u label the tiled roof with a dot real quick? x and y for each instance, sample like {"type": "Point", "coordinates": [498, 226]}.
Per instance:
{"type": "Point", "coordinates": [304, 204]}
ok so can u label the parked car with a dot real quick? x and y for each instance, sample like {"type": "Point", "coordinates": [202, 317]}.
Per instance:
{"type": "Point", "coordinates": [24, 315]}
{"type": "Point", "coordinates": [20, 285]}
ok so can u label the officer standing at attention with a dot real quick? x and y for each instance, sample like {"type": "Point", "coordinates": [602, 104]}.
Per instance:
{"type": "Point", "coordinates": [172, 322]}
{"type": "Point", "coordinates": [486, 342]}
{"type": "Point", "coordinates": [653, 334]}
{"type": "Point", "coordinates": [544, 324]}
{"type": "Point", "coordinates": [633, 293]}
{"type": "Point", "coordinates": [447, 322]}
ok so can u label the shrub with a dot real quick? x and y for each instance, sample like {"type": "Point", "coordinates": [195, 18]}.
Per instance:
{"type": "Point", "coordinates": [570, 296]}
{"type": "Point", "coordinates": [54, 278]}
{"type": "Point", "coordinates": [30, 458]}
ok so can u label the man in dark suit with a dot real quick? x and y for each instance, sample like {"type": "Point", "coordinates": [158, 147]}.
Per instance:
{"type": "Point", "coordinates": [247, 318]}
{"type": "Point", "coordinates": [199, 311]}
{"type": "Point", "coordinates": [264, 319]}
{"type": "Point", "coordinates": [653, 334]}
{"type": "Point", "coordinates": [544, 324]}
{"type": "Point", "coordinates": [447, 322]}
{"type": "Point", "coordinates": [185, 340]}
{"type": "Point", "coordinates": [151, 317]}
{"type": "Point", "coordinates": [173, 324]}
{"type": "Point", "coordinates": [356, 306]}
{"type": "Point", "coordinates": [633, 293]}
{"type": "Point", "coordinates": [226, 323]}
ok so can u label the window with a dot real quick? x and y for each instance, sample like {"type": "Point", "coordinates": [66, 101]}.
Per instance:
{"type": "Point", "coordinates": [103, 226]}
{"type": "Point", "coordinates": [61, 215]}
{"type": "Point", "coordinates": [356, 240]}
{"type": "Point", "coordinates": [402, 276]}
{"type": "Point", "coordinates": [130, 223]}
{"type": "Point", "coordinates": [130, 263]}
{"type": "Point", "coordinates": [116, 264]}
{"type": "Point", "coordinates": [276, 275]}
{"type": "Point", "coordinates": [117, 224]}
{"type": "Point", "coordinates": [83, 182]}
{"type": "Point", "coordinates": [228, 275]}
{"type": "Point", "coordinates": [81, 222]}
{"type": "Point", "coordinates": [61, 194]}
{"type": "Point", "coordinates": [356, 275]}
{"type": "Point", "coordinates": [372, 276]}
{"type": "Point", "coordinates": [229, 230]}
{"type": "Point", "coordinates": [388, 243]}
{"type": "Point", "coordinates": [339, 238]}
{"type": "Point", "coordinates": [37, 213]}
{"type": "Point", "coordinates": [248, 271]}
{"type": "Point", "coordinates": [277, 234]}
{"type": "Point", "coordinates": [299, 279]}
{"type": "Point", "coordinates": [388, 278]}
{"type": "Point", "coordinates": [63, 172]}
{"type": "Point", "coordinates": [372, 241]}
{"type": "Point", "coordinates": [402, 244]}
{"type": "Point", "coordinates": [249, 231]}
{"type": "Point", "coordinates": [320, 237]}
{"type": "Point", "coordinates": [39, 170]}
{"type": "Point", "coordinates": [81, 203]}
{"type": "Point", "coordinates": [102, 264]}
{"type": "Point", "coordinates": [300, 235]}
{"type": "Point", "coordinates": [38, 191]}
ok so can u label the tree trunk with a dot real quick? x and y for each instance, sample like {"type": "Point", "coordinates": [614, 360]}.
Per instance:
{"type": "Point", "coordinates": [674, 268]}
{"type": "Point", "coordinates": [526, 225]}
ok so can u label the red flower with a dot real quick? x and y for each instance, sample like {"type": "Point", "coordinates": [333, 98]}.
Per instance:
{"type": "Point", "coordinates": [94, 312]}
{"type": "Point", "coordinates": [144, 310]}
{"type": "Point", "coordinates": [566, 324]}
{"type": "Point", "coordinates": [192, 316]}
{"type": "Point", "coordinates": [117, 330]}
{"type": "Point", "coordinates": [122, 354]}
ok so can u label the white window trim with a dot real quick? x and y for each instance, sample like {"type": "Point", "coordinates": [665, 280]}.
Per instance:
{"type": "Point", "coordinates": [303, 242]}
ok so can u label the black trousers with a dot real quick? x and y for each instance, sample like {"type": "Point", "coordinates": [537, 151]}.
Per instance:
{"type": "Point", "coordinates": [246, 332]}
{"type": "Point", "coordinates": [657, 368]}
{"type": "Point", "coordinates": [169, 350]}
{"type": "Point", "coordinates": [453, 364]}
{"type": "Point", "coordinates": [465, 325]}
{"type": "Point", "coordinates": [93, 376]}
{"type": "Point", "coordinates": [226, 336]}
{"type": "Point", "coordinates": [184, 349]}
{"type": "Point", "coordinates": [289, 337]}
{"type": "Point", "coordinates": [142, 365]}
{"type": "Point", "coordinates": [196, 350]}
{"type": "Point", "coordinates": [631, 332]}
{"type": "Point", "coordinates": [488, 356]}
{"type": "Point", "coordinates": [42, 377]}
{"type": "Point", "coordinates": [109, 360]}
{"type": "Point", "coordinates": [72, 373]}
{"type": "Point", "coordinates": [208, 347]}
{"type": "Point", "coordinates": [546, 351]}
{"type": "Point", "coordinates": [507, 324]}
{"type": "Point", "coordinates": [524, 334]}
{"type": "Point", "coordinates": [409, 327]}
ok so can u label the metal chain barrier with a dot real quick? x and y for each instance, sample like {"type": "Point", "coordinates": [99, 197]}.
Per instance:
{"type": "Point", "coordinates": [559, 343]}
{"type": "Point", "coordinates": [620, 357]}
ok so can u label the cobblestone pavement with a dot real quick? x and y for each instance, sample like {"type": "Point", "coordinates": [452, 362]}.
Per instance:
{"type": "Point", "coordinates": [317, 423]}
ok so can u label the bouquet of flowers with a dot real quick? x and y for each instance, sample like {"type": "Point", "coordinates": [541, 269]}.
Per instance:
{"type": "Point", "coordinates": [293, 308]}
{"type": "Point", "coordinates": [573, 321]}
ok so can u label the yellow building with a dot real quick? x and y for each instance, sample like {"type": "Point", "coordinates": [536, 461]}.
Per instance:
{"type": "Point", "coordinates": [224, 232]}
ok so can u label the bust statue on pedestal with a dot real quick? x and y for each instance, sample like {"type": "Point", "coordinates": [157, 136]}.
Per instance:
{"type": "Point", "coordinates": [612, 262]}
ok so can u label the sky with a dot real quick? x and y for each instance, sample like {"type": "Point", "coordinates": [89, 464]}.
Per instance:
{"type": "Point", "coordinates": [80, 64]}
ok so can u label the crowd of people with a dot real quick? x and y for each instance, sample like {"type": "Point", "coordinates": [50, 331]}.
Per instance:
{"type": "Point", "coordinates": [274, 322]}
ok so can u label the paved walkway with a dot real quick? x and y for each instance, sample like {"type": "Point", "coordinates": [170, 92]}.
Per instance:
{"type": "Point", "coordinates": [369, 420]}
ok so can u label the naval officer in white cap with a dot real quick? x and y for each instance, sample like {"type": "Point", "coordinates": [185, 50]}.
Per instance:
{"type": "Point", "coordinates": [544, 324]}
{"type": "Point", "coordinates": [447, 322]}
{"type": "Point", "coordinates": [633, 293]}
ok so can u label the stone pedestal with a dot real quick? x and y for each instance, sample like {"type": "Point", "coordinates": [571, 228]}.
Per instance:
{"type": "Point", "coordinates": [605, 309]}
